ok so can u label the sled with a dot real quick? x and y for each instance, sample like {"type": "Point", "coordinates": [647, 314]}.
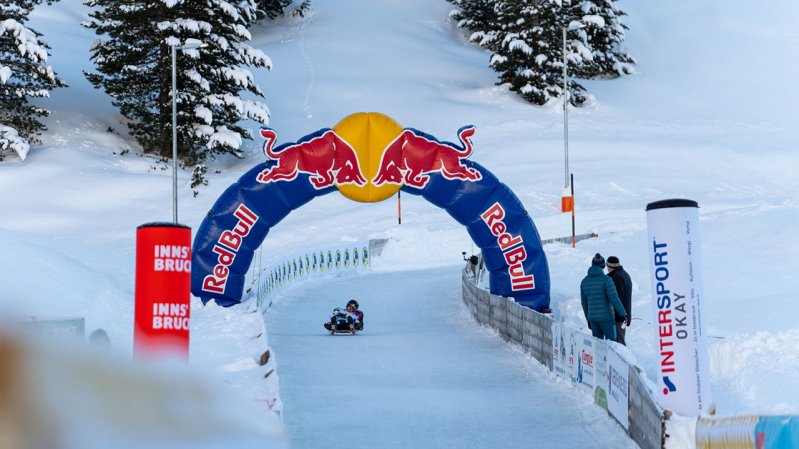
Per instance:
{"type": "Point", "coordinates": [343, 328]}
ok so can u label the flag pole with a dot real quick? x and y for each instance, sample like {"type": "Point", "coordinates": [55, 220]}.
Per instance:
{"type": "Point", "coordinates": [574, 239]}
{"type": "Point", "coordinates": [399, 208]}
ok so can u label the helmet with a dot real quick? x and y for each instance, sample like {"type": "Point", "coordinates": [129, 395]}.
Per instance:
{"type": "Point", "coordinates": [353, 303]}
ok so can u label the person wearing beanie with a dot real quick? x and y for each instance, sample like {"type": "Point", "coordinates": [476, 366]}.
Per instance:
{"type": "Point", "coordinates": [599, 298]}
{"type": "Point", "coordinates": [624, 287]}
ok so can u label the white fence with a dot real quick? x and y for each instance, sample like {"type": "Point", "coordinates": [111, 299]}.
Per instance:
{"type": "Point", "coordinates": [334, 260]}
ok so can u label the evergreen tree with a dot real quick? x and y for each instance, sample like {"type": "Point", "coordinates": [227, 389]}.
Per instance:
{"type": "Point", "coordinates": [526, 38]}
{"type": "Point", "coordinates": [24, 74]}
{"type": "Point", "coordinates": [605, 36]}
{"type": "Point", "coordinates": [135, 68]}
{"type": "Point", "coordinates": [529, 55]}
{"type": "Point", "coordinates": [479, 17]}
{"type": "Point", "coordinates": [276, 8]}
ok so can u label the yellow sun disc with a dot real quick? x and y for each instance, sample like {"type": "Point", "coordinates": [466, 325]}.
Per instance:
{"type": "Point", "coordinates": [369, 133]}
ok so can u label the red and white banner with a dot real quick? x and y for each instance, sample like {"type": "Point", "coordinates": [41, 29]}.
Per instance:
{"type": "Point", "coordinates": [163, 285]}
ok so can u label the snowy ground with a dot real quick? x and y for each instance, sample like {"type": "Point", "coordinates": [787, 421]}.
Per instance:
{"type": "Point", "coordinates": [709, 116]}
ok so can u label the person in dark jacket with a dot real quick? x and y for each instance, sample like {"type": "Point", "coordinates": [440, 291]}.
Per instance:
{"type": "Point", "coordinates": [599, 297]}
{"type": "Point", "coordinates": [624, 287]}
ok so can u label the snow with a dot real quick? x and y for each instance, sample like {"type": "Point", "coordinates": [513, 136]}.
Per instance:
{"type": "Point", "coordinates": [27, 43]}
{"type": "Point", "coordinates": [11, 140]}
{"type": "Point", "coordinates": [5, 74]}
{"type": "Point", "coordinates": [694, 122]}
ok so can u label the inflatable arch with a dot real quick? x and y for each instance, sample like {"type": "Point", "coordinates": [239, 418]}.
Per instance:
{"type": "Point", "coordinates": [368, 157]}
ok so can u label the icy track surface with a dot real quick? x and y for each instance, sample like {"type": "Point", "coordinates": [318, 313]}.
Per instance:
{"type": "Point", "coordinates": [422, 374]}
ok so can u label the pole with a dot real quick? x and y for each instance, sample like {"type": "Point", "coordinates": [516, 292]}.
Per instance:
{"type": "Point", "coordinates": [574, 238]}
{"type": "Point", "coordinates": [174, 138]}
{"type": "Point", "coordinates": [565, 113]}
{"type": "Point", "coordinates": [399, 208]}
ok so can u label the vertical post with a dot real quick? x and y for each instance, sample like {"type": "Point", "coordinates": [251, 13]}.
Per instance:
{"type": "Point", "coordinates": [565, 113]}
{"type": "Point", "coordinates": [399, 208]}
{"type": "Point", "coordinates": [174, 138]}
{"type": "Point", "coordinates": [574, 237]}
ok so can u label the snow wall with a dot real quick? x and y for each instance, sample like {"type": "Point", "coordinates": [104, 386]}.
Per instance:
{"type": "Point", "coordinates": [590, 364]}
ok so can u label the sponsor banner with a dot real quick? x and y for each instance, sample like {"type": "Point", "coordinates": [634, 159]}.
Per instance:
{"type": "Point", "coordinates": [618, 388]}
{"type": "Point", "coordinates": [558, 349]}
{"type": "Point", "coordinates": [683, 380]}
{"type": "Point", "coordinates": [756, 432]}
{"type": "Point", "coordinates": [586, 362]}
{"type": "Point", "coordinates": [163, 283]}
{"type": "Point", "coordinates": [601, 374]}
{"type": "Point", "coordinates": [345, 258]}
{"type": "Point", "coordinates": [777, 432]}
{"type": "Point", "coordinates": [572, 353]}
{"type": "Point", "coordinates": [409, 159]}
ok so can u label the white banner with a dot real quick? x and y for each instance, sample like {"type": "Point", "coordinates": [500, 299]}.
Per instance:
{"type": "Point", "coordinates": [585, 362]}
{"type": "Point", "coordinates": [601, 376]}
{"type": "Point", "coordinates": [572, 349]}
{"type": "Point", "coordinates": [618, 388]}
{"type": "Point", "coordinates": [558, 351]}
{"type": "Point", "coordinates": [676, 277]}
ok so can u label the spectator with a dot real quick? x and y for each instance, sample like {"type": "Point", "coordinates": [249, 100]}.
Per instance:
{"type": "Point", "coordinates": [598, 297]}
{"type": "Point", "coordinates": [624, 287]}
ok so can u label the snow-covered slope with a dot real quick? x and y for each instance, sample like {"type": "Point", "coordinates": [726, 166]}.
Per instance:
{"type": "Point", "coordinates": [709, 117]}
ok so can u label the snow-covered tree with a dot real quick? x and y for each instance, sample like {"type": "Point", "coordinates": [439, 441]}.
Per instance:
{"type": "Point", "coordinates": [529, 52]}
{"type": "Point", "coordinates": [526, 38]}
{"type": "Point", "coordinates": [24, 74]}
{"type": "Point", "coordinates": [479, 17]}
{"type": "Point", "coordinates": [133, 61]}
{"type": "Point", "coordinates": [275, 8]}
{"type": "Point", "coordinates": [605, 37]}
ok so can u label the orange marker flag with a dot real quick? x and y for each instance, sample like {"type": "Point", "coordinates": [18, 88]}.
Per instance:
{"type": "Point", "coordinates": [566, 201]}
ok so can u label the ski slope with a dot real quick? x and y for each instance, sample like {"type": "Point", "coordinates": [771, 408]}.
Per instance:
{"type": "Point", "coordinates": [422, 373]}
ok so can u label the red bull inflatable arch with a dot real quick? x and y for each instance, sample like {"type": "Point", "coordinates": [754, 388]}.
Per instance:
{"type": "Point", "coordinates": [368, 157]}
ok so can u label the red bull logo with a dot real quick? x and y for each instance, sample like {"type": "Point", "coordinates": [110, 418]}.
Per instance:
{"type": "Point", "coordinates": [327, 157]}
{"type": "Point", "coordinates": [227, 247]}
{"type": "Point", "coordinates": [512, 248]}
{"type": "Point", "coordinates": [410, 158]}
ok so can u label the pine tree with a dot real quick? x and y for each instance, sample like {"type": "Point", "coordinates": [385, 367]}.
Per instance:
{"type": "Point", "coordinates": [529, 54]}
{"type": "Point", "coordinates": [605, 37]}
{"type": "Point", "coordinates": [24, 74]}
{"type": "Point", "coordinates": [275, 8]}
{"type": "Point", "coordinates": [134, 67]}
{"type": "Point", "coordinates": [526, 38]}
{"type": "Point", "coordinates": [479, 17]}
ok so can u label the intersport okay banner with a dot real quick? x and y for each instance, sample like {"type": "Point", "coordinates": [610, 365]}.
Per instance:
{"type": "Point", "coordinates": [676, 276]}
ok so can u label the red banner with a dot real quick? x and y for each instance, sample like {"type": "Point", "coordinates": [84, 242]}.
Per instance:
{"type": "Point", "coordinates": [163, 285]}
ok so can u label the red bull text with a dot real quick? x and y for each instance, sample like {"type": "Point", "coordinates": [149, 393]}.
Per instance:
{"type": "Point", "coordinates": [512, 248]}
{"type": "Point", "coordinates": [227, 247]}
{"type": "Point", "coordinates": [327, 158]}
